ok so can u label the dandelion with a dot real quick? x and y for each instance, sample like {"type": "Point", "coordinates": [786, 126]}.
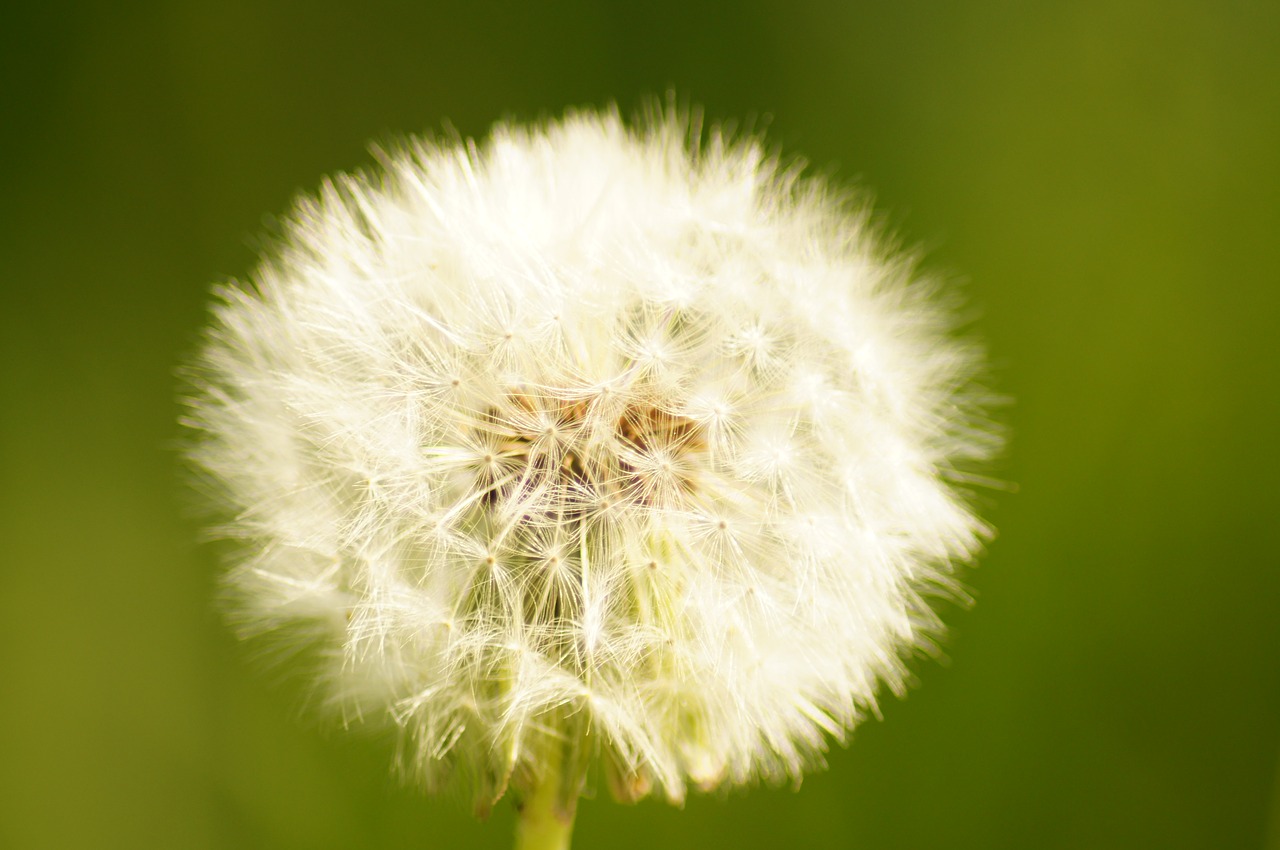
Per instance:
{"type": "Point", "coordinates": [591, 454]}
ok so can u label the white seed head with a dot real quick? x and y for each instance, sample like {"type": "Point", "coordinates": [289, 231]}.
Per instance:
{"type": "Point", "coordinates": [592, 446]}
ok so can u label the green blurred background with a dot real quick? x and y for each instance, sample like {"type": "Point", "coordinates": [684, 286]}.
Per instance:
{"type": "Point", "coordinates": [1103, 178]}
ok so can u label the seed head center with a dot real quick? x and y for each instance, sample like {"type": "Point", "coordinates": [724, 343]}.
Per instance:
{"type": "Point", "coordinates": [571, 447]}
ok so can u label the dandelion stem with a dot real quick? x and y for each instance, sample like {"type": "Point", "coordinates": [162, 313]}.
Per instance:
{"type": "Point", "coordinates": [543, 823]}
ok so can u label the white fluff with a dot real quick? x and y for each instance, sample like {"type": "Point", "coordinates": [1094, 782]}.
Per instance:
{"type": "Point", "coordinates": [592, 445]}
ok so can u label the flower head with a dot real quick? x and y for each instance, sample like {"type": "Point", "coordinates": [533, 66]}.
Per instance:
{"type": "Point", "coordinates": [591, 445]}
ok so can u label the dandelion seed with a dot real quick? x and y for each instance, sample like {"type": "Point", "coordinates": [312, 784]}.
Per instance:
{"type": "Point", "coordinates": [591, 451]}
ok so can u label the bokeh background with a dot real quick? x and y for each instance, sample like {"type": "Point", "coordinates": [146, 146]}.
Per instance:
{"type": "Point", "coordinates": [1101, 177]}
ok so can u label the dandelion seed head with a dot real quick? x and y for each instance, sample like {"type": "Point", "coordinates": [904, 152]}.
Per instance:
{"type": "Point", "coordinates": [629, 446]}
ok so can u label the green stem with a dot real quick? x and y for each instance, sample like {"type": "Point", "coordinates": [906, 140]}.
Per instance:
{"type": "Point", "coordinates": [543, 823]}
